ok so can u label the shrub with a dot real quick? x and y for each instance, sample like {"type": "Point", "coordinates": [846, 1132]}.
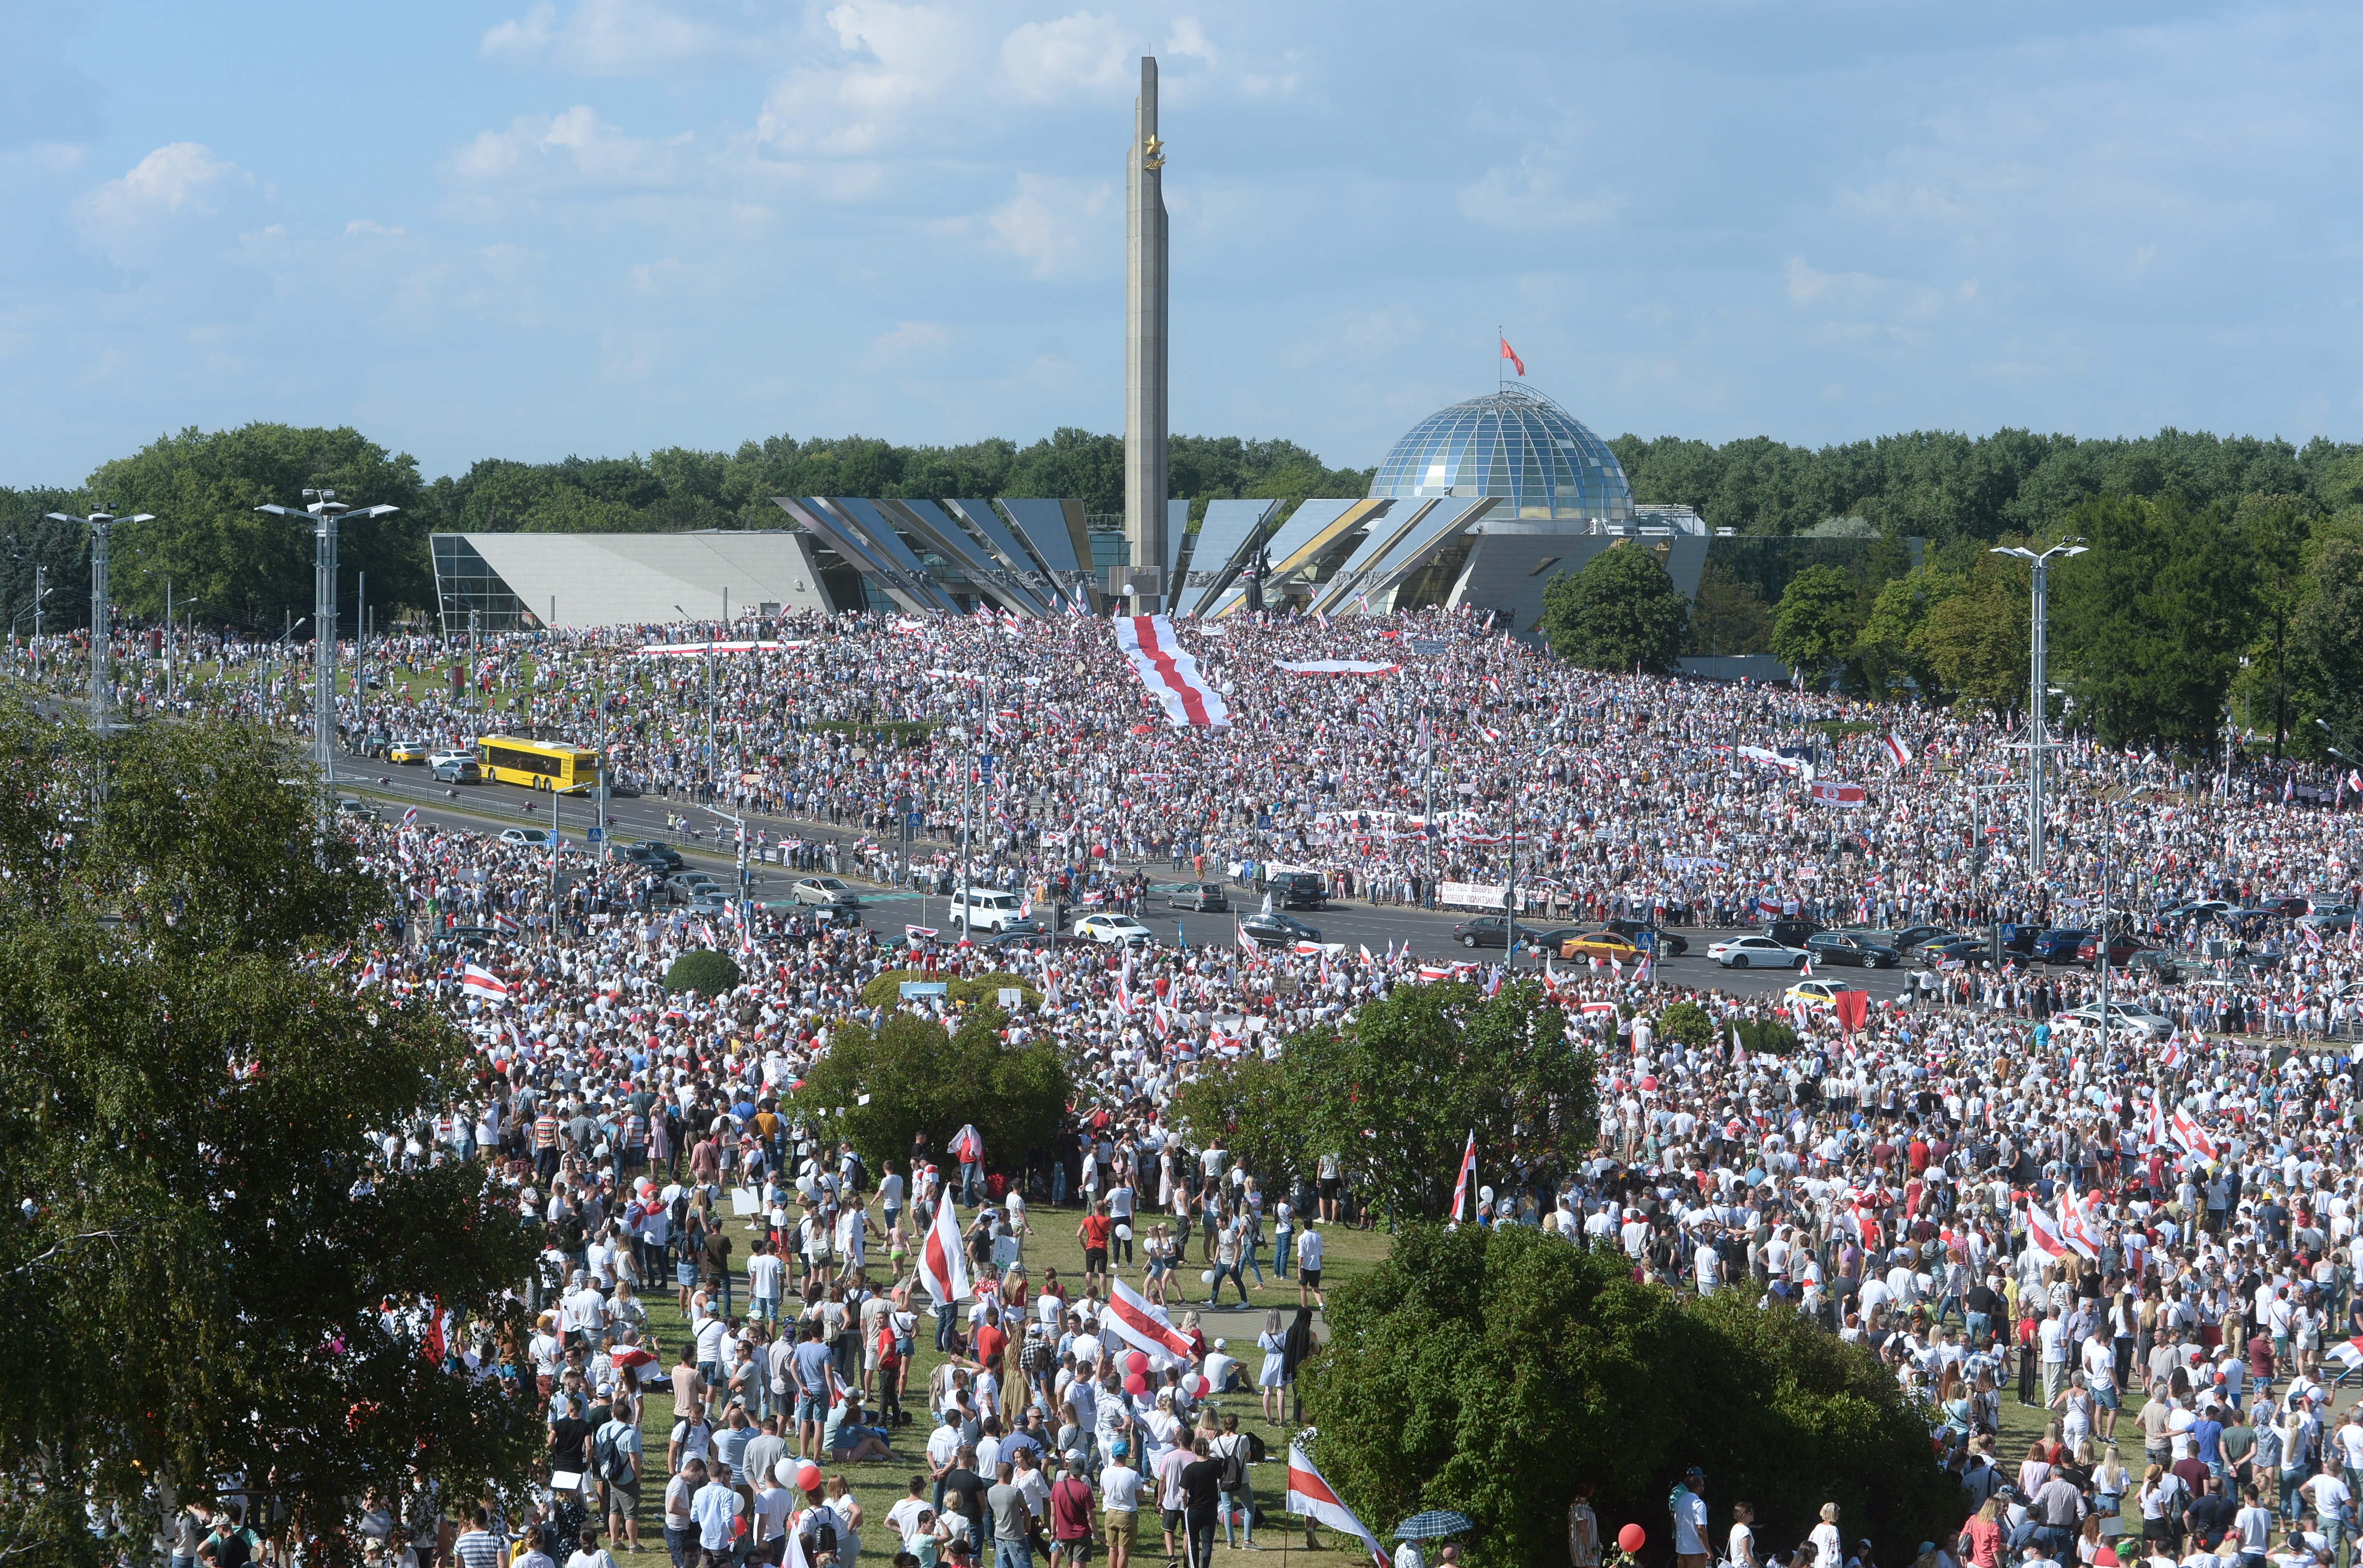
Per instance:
{"type": "Point", "coordinates": [1687, 1022]}
{"type": "Point", "coordinates": [703, 970]}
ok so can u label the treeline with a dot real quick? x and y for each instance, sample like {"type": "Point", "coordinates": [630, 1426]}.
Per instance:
{"type": "Point", "coordinates": [1943, 487]}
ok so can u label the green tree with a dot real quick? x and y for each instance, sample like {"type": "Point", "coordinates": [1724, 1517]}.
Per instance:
{"type": "Point", "coordinates": [917, 1076]}
{"type": "Point", "coordinates": [1483, 1370]}
{"type": "Point", "coordinates": [2326, 639]}
{"type": "Point", "coordinates": [246, 567]}
{"type": "Point", "coordinates": [1687, 1023]}
{"type": "Point", "coordinates": [1817, 620]}
{"type": "Point", "coordinates": [1403, 1082]}
{"type": "Point", "coordinates": [1620, 612]}
{"type": "Point", "coordinates": [1974, 638]}
{"type": "Point", "coordinates": [190, 1117]}
{"type": "Point", "coordinates": [1729, 616]}
{"type": "Point", "coordinates": [2148, 624]}
{"type": "Point", "coordinates": [1888, 650]}
{"type": "Point", "coordinates": [1252, 1107]}
{"type": "Point", "coordinates": [704, 971]}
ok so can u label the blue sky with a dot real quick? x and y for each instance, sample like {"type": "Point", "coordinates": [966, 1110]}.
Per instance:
{"type": "Point", "coordinates": [529, 227]}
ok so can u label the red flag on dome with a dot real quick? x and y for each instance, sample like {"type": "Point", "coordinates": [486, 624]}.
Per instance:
{"type": "Point", "coordinates": [1511, 354]}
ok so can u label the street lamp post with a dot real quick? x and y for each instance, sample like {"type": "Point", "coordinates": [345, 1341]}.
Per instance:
{"type": "Point", "coordinates": [100, 524]}
{"type": "Point", "coordinates": [323, 511]}
{"type": "Point", "coordinates": [2037, 743]}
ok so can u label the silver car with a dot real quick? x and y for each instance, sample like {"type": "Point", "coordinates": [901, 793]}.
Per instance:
{"type": "Point", "coordinates": [825, 891]}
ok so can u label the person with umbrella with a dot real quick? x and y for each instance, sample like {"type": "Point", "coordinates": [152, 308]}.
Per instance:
{"type": "Point", "coordinates": [1437, 1524]}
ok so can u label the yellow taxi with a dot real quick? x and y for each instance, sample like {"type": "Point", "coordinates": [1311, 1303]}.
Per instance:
{"type": "Point", "coordinates": [407, 751]}
{"type": "Point", "coordinates": [1818, 993]}
{"type": "Point", "coordinates": [1601, 944]}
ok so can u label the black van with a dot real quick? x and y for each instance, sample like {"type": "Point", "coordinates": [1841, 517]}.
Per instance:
{"type": "Point", "coordinates": [1791, 933]}
{"type": "Point", "coordinates": [1298, 890]}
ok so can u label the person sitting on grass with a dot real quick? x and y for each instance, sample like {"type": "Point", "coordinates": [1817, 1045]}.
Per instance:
{"type": "Point", "coordinates": [847, 1440]}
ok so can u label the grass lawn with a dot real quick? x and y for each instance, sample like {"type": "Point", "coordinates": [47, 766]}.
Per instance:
{"type": "Point", "coordinates": [1347, 1255]}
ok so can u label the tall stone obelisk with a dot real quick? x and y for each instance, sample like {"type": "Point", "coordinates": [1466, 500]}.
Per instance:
{"type": "Point", "coordinates": [1145, 425]}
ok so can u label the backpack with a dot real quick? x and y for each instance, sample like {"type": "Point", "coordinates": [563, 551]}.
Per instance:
{"type": "Point", "coordinates": [1256, 1453]}
{"type": "Point", "coordinates": [1233, 1475]}
{"type": "Point", "coordinates": [614, 1465]}
{"type": "Point", "coordinates": [818, 1533]}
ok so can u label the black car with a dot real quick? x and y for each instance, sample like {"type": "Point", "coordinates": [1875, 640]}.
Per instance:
{"type": "Point", "coordinates": [1669, 944]}
{"type": "Point", "coordinates": [1791, 933]}
{"type": "Point", "coordinates": [1030, 940]}
{"type": "Point", "coordinates": [666, 855]}
{"type": "Point", "coordinates": [1960, 949]}
{"type": "Point", "coordinates": [1297, 890]}
{"type": "Point", "coordinates": [1493, 931]}
{"type": "Point", "coordinates": [1911, 936]}
{"type": "Point", "coordinates": [1276, 930]}
{"type": "Point", "coordinates": [1852, 948]}
{"type": "Point", "coordinates": [1198, 895]}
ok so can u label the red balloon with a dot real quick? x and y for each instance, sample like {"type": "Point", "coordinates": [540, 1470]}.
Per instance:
{"type": "Point", "coordinates": [1650, 1082]}
{"type": "Point", "coordinates": [808, 1480]}
{"type": "Point", "coordinates": [1631, 1537]}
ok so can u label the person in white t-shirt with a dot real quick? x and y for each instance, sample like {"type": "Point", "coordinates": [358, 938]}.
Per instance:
{"type": "Point", "coordinates": [1740, 1553]}
{"type": "Point", "coordinates": [1308, 1268]}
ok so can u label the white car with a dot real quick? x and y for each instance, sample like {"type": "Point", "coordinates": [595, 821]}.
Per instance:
{"type": "Point", "coordinates": [2138, 1022]}
{"type": "Point", "coordinates": [1756, 952]}
{"type": "Point", "coordinates": [990, 909]}
{"type": "Point", "coordinates": [439, 758]}
{"type": "Point", "coordinates": [826, 891]}
{"type": "Point", "coordinates": [1113, 929]}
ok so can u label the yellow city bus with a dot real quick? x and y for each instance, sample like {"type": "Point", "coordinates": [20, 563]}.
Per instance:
{"type": "Point", "coordinates": [506, 759]}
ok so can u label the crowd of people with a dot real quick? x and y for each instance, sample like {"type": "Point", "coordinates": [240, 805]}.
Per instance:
{"type": "Point", "coordinates": [1976, 1187]}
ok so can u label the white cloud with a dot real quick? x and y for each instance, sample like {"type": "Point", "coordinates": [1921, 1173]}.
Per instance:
{"type": "Point", "coordinates": [909, 341]}
{"type": "Point", "coordinates": [174, 187]}
{"type": "Point", "coordinates": [1050, 222]}
{"type": "Point", "coordinates": [1533, 194]}
{"type": "Point", "coordinates": [576, 147]}
{"type": "Point", "coordinates": [1084, 53]}
{"type": "Point", "coordinates": [628, 38]}
{"type": "Point", "coordinates": [893, 66]}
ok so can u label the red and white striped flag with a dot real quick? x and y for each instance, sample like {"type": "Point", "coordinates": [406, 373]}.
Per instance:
{"type": "Point", "coordinates": [2043, 1234]}
{"type": "Point", "coordinates": [1145, 1327]}
{"type": "Point", "coordinates": [1311, 1497]}
{"type": "Point", "coordinates": [1899, 748]}
{"type": "Point", "coordinates": [943, 1268]}
{"type": "Point", "coordinates": [1171, 673]}
{"type": "Point", "coordinates": [2348, 1354]}
{"type": "Point", "coordinates": [1460, 1181]}
{"type": "Point", "coordinates": [2190, 1135]}
{"type": "Point", "coordinates": [476, 982]}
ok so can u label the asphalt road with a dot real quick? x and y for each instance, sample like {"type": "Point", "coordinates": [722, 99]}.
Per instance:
{"type": "Point", "coordinates": [1428, 934]}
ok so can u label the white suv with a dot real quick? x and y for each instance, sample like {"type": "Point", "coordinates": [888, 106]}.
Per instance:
{"type": "Point", "coordinates": [986, 908]}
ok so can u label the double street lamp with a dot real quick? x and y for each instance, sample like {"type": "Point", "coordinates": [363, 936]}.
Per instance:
{"type": "Point", "coordinates": [100, 525]}
{"type": "Point", "coordinates": [323, 511]}
{"type": "Point", "coordinates": [2037, 736]}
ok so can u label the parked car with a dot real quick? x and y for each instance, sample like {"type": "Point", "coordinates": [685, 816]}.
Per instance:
{"type": "Point", "coordinates": [2058, 946]}
{"type": "Point", "coordinates": [2204, 909]}
{"type": "Point", "coordinates": [990, 909]}
{"type": "Point", "coordinates": [458, 770]}
{"type": "Point", "coordinates": [1277, 930]}
{"type": "Point", "coordinates": [1972, 950]}
{"type": "Point", "coordinates": [666, 855]}
{"type": "Point", "coordinates": [2138, 1022]}
{"type": "Point", "coordinates": [1115, 930]}
{"type": "Point", "coordinates": [1297, 890]}
{"type": "Point", "coordinates": [351, 807]}
{"type": "Point", "coordinates": [1852, 948]}
{"type": "Point", "coordinates": [1756, 953]}
{"type": "Point", "coordinates": [406, 751]}
{"type": "Point", "coordinates": [1911, 936]}
{"type": "Point", "coordinates": [2123, 945]}
{"type": "Point", "coordinates": [682, 887]}
{"type": "Point", "coordinates": [1600, 944]}
{"type": "Point", "coordinates": [1491, 931]}
{"type": "Point", "coordinates": [1818, 993]}
{"type": "Point", "coordinates": [1791, 933]}
{"type": "Point", "coordinates": [1667, 943]}
{"type": "Point", "coordinates": [823, 891]}
{"type": "Point", "coordinates": [531, 838]}
{"type": "Point", "coordinates": [1199, 896]}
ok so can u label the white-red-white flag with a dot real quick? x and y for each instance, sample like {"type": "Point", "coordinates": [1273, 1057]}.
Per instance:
{"type": "Point", "coordinates": [2043, 1234]}
{"type": "Point", "coordinates": [1170, 672]}
{"type": "Point", "coordinates": [483, 983]}
{"type": "Point", "coordinates": [1310, 1497]}
{"type": "Point", "coordinates": [1144, 1326]}
{"type": "Point", "coordinates": [943, 1268]}
{"type": "Point", "coordinates": [2190, 1135]}
{"type": "Point", "coordinates": [1460, 1181]}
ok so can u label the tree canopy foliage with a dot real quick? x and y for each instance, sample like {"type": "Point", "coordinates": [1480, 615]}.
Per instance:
{"type": "Point", "coordinates": [1480, 1369]}
{"type": "Point", "coordinates": [879, 1089]}
{"type": "Point", "coordinates": [190, 1112]}
{"type": "Point", "coordinates": [1621, 611]}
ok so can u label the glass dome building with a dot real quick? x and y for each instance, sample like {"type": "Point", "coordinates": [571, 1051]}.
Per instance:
{"type": "Point", "coordinates": [1541, 462]}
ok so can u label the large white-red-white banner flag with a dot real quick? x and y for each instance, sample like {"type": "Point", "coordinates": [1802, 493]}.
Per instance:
{"type": "Point", "coordinates": [942, 1267]}
{"type": "Point", "coordinates": [1170, 672]}
{"type": "Point", "coordinates": [1144, 1326]}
